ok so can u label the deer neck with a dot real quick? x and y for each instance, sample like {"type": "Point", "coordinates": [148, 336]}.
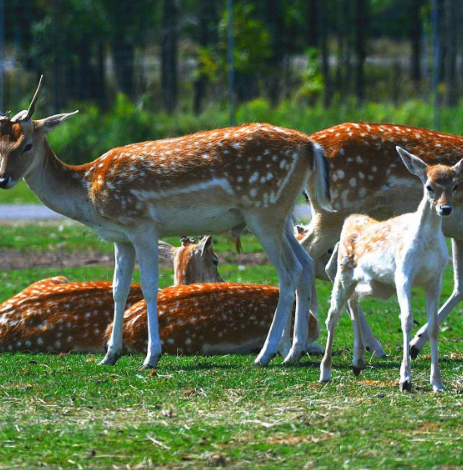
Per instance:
{"type": "Point", "coordinates": [429, 222]}
{"type": "Point", "coordinates": [63, 188]}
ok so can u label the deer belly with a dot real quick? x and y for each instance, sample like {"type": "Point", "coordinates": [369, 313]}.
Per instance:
{"type": "Point", "coordinates": [179, 221]}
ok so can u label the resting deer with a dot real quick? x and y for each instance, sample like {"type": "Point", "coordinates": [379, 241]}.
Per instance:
{"type": "Point", "coordinates": [208, 319]}
{"type": "Point", "coordinates": [249, 175]}
{"type": "Point", "coordinates": [367, 177]}
{"type": "Point", "coordinates": [375, 258]}
{"type": "Point", "coordinates": [57, 315]}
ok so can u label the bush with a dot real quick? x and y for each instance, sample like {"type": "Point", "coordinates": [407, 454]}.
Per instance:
{"type": "Point", "coordinates": [89, 134]}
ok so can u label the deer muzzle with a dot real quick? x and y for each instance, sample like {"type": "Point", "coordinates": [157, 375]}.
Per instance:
{"type": "Point", "coordinates": [445, 209]}
{"type": "Point", "coordinates": [6, 181]}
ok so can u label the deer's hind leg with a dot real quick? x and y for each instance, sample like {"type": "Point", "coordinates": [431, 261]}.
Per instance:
{"type": "Point", "coordinates": [305, 290]}
{"type": "Point", "coordinates": [344, 287]}
{"type": "Point", "coordinates": [273, 238]}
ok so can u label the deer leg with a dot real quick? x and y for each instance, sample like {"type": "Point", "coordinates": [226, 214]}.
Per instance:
{"type": "Point", "coordinates": [342, 290]}
{"type": "Point", "coordinates": [371, 343]}
{"type": "Point", "coordinates": [288, 269]}
{"type": "Point", "coordinates": [304, 291]}
{"type": "Point", "coordinates": [422, 335]}
{"type": "Point", "coordinates": [285, 341]}
{"type": "Point", "coordinates": [147, 254]}
{"type": "Point", "coordinates": [323, 234]}
{"type": "Point", "coordinates": [123, 271]}
{"type": "Point", "coordinates": [358, 361]}
{"type": "Point", "coordinates": [403, 287]}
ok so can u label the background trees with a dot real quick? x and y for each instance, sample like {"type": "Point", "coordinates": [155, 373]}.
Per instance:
{"type": "Point", "coordinates": [171, 54]}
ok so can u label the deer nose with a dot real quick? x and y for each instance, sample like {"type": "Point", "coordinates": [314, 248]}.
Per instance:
{"type": "Point", "coordinates": [445, 209]}
{"type": "Point", "coordinates": [4, 181]}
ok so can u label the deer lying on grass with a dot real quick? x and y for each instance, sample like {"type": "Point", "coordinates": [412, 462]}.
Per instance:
{"type": "Point", "coordinates": [208, 319]}
{"type": "Point", "coordinates": [57, 315]}
{"type": "Point", "coordinates": [249, 175]}
{"type": "Point", "coordinates": [367, 177]}
{"type": "Point", "coordinates": [375, 257]}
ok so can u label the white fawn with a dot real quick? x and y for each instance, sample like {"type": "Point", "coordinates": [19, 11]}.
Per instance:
{"type": "Point", "coordinates": [377, 258]}
{"type": "Point", "coordinates": [57, 315]}
{"type": "Point", "coordinates": [249, 175]}
{"type": "Point", "coordinates": [367, 177]}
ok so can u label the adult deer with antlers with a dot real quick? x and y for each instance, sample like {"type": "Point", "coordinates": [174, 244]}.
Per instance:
{"type": "Point", "coordinates": [243, 176]}
{"type": "Point", "coordinates": [367, 177]}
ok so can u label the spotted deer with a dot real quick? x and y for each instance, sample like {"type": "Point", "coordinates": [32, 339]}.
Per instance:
{"type": "Point", "coordinates": [368, 177]}
{"type": "Point", "coordinates": [249, 175]}
{"type": "Point", "coordinates": [57, 315]}
{"type": "Point", "coordinates": [377, 258]}
{"type": "Point", "coordinates": [208, 319]}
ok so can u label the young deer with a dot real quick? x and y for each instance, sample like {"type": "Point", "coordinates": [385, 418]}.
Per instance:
{"type": "Point", "coordinates": [367, 177]}
{"type": "Point", "coordinates": [57, 315]}
{"type": "Point", "coordinates": [375, 257]}
{"type": "Point", "coordinates": [249, 175]}
{"type": "Point", "coordinates": [208, 319]}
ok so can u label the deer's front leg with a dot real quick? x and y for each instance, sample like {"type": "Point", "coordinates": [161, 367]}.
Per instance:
{"type": "Point", "coordinates": [403, 287]}
{"type": "Point", "coordinates": [147, 254]}
{"type": "Point", "coordinates": [432, 301]}
{"type": "Point", "coordinates": [123, 271]}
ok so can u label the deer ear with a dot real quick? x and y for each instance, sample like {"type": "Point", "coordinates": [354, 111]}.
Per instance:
{"type": "Point", "coordinates": [52, 122]}
{"type": "Point", "coordinates": [166, 250]}
{"type": "Point", "coordinates": [458, 169]}
{"type": "Point", "coordinates": [204, 244]}
{"type": "Point", "coordinates": [414, 164]}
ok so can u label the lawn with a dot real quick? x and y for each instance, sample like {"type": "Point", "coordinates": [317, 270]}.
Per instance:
{"type": "Point", "coordinates": [64, 411]}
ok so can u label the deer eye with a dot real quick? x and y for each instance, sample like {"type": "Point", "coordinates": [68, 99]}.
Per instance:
{"type": "Point", "coordinates": [455, 187]}
{"type": "Point", "coordinates": [215, 261]}
{"type": "Point", "coordinates": [27, 148]}
{"type": "Point", "coordinates": [429, 188]}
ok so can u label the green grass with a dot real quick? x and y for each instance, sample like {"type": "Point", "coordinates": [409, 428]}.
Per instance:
{"type": "Point", "coordinates": [198, 412]}
{"type": "Point", "coordinates": [19, 194]}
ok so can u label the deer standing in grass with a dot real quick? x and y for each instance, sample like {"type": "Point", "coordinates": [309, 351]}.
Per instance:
{"type": "Point", "coordinates": [249, 175]}
{"type": "Point", "coordinates": [375, 258]}
{"type": "Point", "coordinates": [368, 177]}
{"type": "Point", "coordinates": [60, 316]}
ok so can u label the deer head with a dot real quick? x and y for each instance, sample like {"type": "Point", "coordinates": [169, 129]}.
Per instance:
{"type": "Point", "coordinates": [23, 141]}
{"type": "Point", "coordinates": [194, 262]}
{"type": "Point", "coordinates": [441, 182]}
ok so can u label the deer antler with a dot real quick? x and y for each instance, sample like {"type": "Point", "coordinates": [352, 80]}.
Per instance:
{"type": "Point", "coordinates": [26, 115]}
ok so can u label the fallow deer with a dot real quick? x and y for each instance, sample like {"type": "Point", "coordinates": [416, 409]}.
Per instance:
{"type": "Point", "coordinates": [208, 319]}
{"type": "Point", "coordinates": [367, 177]}
{"type": "Point", "coordinates": [376, 258]}
{"type": "Point", "coordinates": [57, 315]}
{"type": "Point", "coordinates": [249, 175]}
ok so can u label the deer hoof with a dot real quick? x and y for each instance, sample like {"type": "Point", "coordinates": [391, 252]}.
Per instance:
{"type": "Point", "coordinates": [151, 363]}
{"type": "Point", "coordinates": [414, 351]}
{"type": "Point", "coordinates": [405, 386]}
{"type": "Point", "coordinates": [356, 370]}
{"type": "Point", "coordinates": [109, 361]}
{"type": "Point", "coordinates": [263, 361]}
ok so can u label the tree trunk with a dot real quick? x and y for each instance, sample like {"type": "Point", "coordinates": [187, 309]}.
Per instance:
{"type": "Point", "coordinates": [416, 31]}
{"type": "Point", "coordinates": [324, 52]}
{"type": "Point", "coordinates": [123, 53]}
{"type": "Point", "coordinates": [361, 25]}
{"type": "Point", "coordinates": [208, 20]}
{"type": "Point", "coordinates": [169, 53]}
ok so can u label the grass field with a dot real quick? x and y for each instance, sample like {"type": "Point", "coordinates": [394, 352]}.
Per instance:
{"type": "Point", "coordinates": [208, 412]}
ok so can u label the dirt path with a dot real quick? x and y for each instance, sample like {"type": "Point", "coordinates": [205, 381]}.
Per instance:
{"type": "Point", "coordinates": [19, 259]}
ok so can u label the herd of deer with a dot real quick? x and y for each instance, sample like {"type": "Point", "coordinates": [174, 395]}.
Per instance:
{"type": "Point", "coordinates": [246, 176]}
